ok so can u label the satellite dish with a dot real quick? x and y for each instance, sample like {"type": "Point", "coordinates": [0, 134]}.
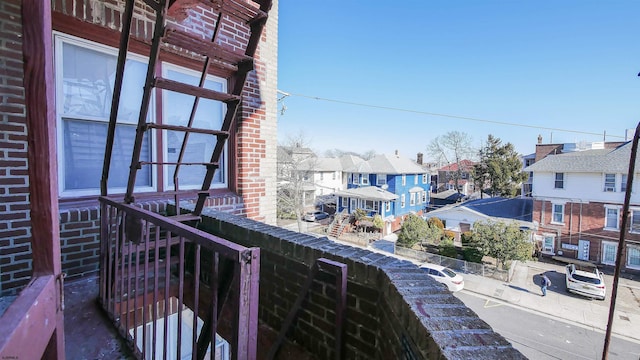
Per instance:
{"type": "Point", "coordinates": [384, 187]}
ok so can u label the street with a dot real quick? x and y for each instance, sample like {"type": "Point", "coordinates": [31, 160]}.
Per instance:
{"type": "Point", "coordinates": [540, 336]}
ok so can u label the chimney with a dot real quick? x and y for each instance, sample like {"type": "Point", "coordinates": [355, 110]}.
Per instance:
{"type": "Point", "coordinates": [419, 158]}
{"type": "Point", "coordinates": [397, 153]}
{"type": "Point", "coordinates": [539, 139]}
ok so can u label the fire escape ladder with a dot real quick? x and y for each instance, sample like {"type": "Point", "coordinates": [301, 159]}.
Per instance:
{"type": "Point", "coordinates": [216, 58]}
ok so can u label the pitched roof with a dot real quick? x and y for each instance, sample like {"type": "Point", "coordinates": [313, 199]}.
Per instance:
{"type": "Point", "coordinates": [600, 160]}
{"type": "Point", "coordinates": [394, 164]}
{"type": "Point", "coordinates": [465, 165]}
{"type": "Point", "coordinates": [369, 193]}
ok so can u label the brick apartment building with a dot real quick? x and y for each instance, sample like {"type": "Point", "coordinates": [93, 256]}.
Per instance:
{"type": "Point", "coordinates": [578, 192]}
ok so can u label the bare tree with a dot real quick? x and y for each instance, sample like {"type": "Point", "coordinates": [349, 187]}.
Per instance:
{"type": "Point", "coordinates": [452, 148]}
{"type": "Point", "coordinates": [296, 169]}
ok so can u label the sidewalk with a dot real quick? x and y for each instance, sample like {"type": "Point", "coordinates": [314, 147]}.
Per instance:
{"type": "Point", "coordinates": [594, 314]}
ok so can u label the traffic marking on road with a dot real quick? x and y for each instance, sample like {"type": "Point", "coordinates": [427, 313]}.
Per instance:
{"type": "Point", "coordinates": [490, 304]}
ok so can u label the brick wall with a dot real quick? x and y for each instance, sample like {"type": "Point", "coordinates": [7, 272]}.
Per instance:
{"type": "Point", "coordinates": [15, 226]}
{"type": "Point", "coordinates": [257, 139]}
{"type": "Point", "coordinates": [582, 221]}
{"type": "Point", "coordinates": [394, 309]}
{"type": "Point", "coordinates": [257, 130]}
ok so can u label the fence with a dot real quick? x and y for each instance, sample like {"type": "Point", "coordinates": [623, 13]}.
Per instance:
{"type": "Point", "coordinates": [457, 264]}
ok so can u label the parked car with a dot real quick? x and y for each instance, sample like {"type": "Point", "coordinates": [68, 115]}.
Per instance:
{"type": "Point", "coordinates": [586, 283]}
{"type": "Point", "coordinates": [315, 216]}
{"type": "Point", "coordinates": [454, 282]}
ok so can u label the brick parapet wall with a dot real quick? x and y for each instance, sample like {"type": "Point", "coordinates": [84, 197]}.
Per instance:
{"type": "Point", "coordinates": [394, 309]}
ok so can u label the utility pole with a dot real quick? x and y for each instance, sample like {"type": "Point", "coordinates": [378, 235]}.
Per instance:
{"type": "Point", "coordinates": [620, 252]}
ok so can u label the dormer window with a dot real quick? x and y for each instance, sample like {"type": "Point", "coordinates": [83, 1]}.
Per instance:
{"type": "Point", "coordinates": [381, 179]}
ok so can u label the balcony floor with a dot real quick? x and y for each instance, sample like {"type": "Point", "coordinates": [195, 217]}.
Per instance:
{"type": "Point", "coordinates": [89, 334]}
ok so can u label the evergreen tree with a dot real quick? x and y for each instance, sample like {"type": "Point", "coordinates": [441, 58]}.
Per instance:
{"type": "Point", "coordinates": [499, 170]}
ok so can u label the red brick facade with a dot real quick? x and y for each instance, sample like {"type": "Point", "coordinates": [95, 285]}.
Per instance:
{"type": "Point", "coordinates": [582, 221]}
{"type": "Point", "coordinates": [251, 190]}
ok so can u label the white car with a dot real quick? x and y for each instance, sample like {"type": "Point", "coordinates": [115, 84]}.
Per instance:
{"type": "Point", "coordinates": [315, 216]}
{"type": "Point", "coordinates": [454, 282]}
{"type": "Point", "coordinates": [586, 283]}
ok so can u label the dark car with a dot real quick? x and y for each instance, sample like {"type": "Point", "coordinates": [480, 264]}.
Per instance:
{"type": "Point", "coordinates": [315, 216]}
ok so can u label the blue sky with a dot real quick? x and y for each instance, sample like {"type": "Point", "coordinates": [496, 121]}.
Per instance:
{"type": "Point", "coordinates": [546, 66]}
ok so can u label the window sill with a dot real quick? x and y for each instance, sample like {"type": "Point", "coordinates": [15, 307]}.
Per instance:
{"type": "Point", "coordinates": [610, 229]}
{"type": "Point", "coordinates": [556, 223]}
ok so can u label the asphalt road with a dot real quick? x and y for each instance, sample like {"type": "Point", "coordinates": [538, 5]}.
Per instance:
{"type": "Point", "coordinates": [542, 337]}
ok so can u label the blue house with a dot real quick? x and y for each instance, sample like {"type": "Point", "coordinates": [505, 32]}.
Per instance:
{"type": "Point", "coordinates": [387, 185]}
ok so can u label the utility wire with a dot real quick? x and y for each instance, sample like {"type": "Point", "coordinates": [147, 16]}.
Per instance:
{"type": "Point", "coordinates": [445, 115]}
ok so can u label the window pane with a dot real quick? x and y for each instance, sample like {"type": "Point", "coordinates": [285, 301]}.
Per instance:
{"type": "Point", "coordinates": [623, 183]}
{"type": "Point", "coordinates": [199, 146]}
{"type": "Point", "coordinates": [612, 218]}
{"type": "Point", "coordinates": [558, 213]}
{"type": "Point", "coordinates": [88, 77]}
{"type": "Point", "coordinates": [84, 143]}
{"type": "Point", "coordinates": [608, 253]}
{"type": "Point", "coordinates": [559, 184]}
{"type": "Point", "coordinates": [635, 221]}
{"type": "Point", "coordinates": [634, 256]}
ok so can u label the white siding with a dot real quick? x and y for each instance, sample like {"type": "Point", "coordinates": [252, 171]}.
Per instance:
{"type": "Point", "coordinates": [587, 187]}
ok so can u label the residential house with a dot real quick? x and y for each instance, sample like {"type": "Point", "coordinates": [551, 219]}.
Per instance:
{"type": "Point", "coordinates": [460, 217]}
{"type": "Point", "coordinates": [391, 186]}
{"type": "Point", "coordinates": [459, 174]}
{"type": "Point", "coordinates": [578, 193]}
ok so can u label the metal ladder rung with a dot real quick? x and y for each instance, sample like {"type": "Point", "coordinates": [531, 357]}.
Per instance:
{"type": "Point", "coordinates": [225, 59]}
{"type": "Point", "coordinates": [186, 129]}
{"type": "Point", "coordinates": [207, 164]}
{"type": "Point", "coordinates": [194, 90]}
{"type": "Point", "coordinates": [242, 10]}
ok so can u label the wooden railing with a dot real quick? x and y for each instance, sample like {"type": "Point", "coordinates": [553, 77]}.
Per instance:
{"type": "Point", "coordinates": [173, 290]}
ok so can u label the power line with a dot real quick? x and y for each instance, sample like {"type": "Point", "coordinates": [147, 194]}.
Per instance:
{"type": "Point", "coordinates": [445, 115]}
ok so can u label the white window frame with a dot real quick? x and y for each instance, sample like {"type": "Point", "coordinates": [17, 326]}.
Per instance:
{"type": "Point", "coordinates": [404, 179]}
{"type": "Point", "coordinates": [557, 181]}
{"type": "Point", "coordinates": [623, 183]}
{"type": "Point", "coordinates": [553, 213]}
{"type": "Point", "coordinates": [59, 39]}
{"type": "Point", "coordinates": [354, 205]}
{"type": "Point", "coordinates": [607, 208]}
{"type": "Point", "coordinates": [403, 200]}
{"type": "Point", "coordinates": [424, 178]}
{"type": "Point", "coordinates": [628, 260]}
{"type": "Point", "coordinates": [632, 228]}
{"type": "Point", "coordinates": [387, 205]}
{"type": "Point", "coordinates": [381, 179]}
{"type": "Point", "coordinates": [344, 201]}
{"type": "Point", "coordinates": [168, 174]}
{"type": "Point", "coordinates": [424, 197]}
{"type": "Point", "coordinates": [609, 182]}
{"type": "Point", "coordinates": [365, 179]}
{"type": "Point", "coordinates": [412, 199]}
{"type": "Point", "coordinates": [606, 244]}
{"type": "Point", "coordinates": [415, 179]}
